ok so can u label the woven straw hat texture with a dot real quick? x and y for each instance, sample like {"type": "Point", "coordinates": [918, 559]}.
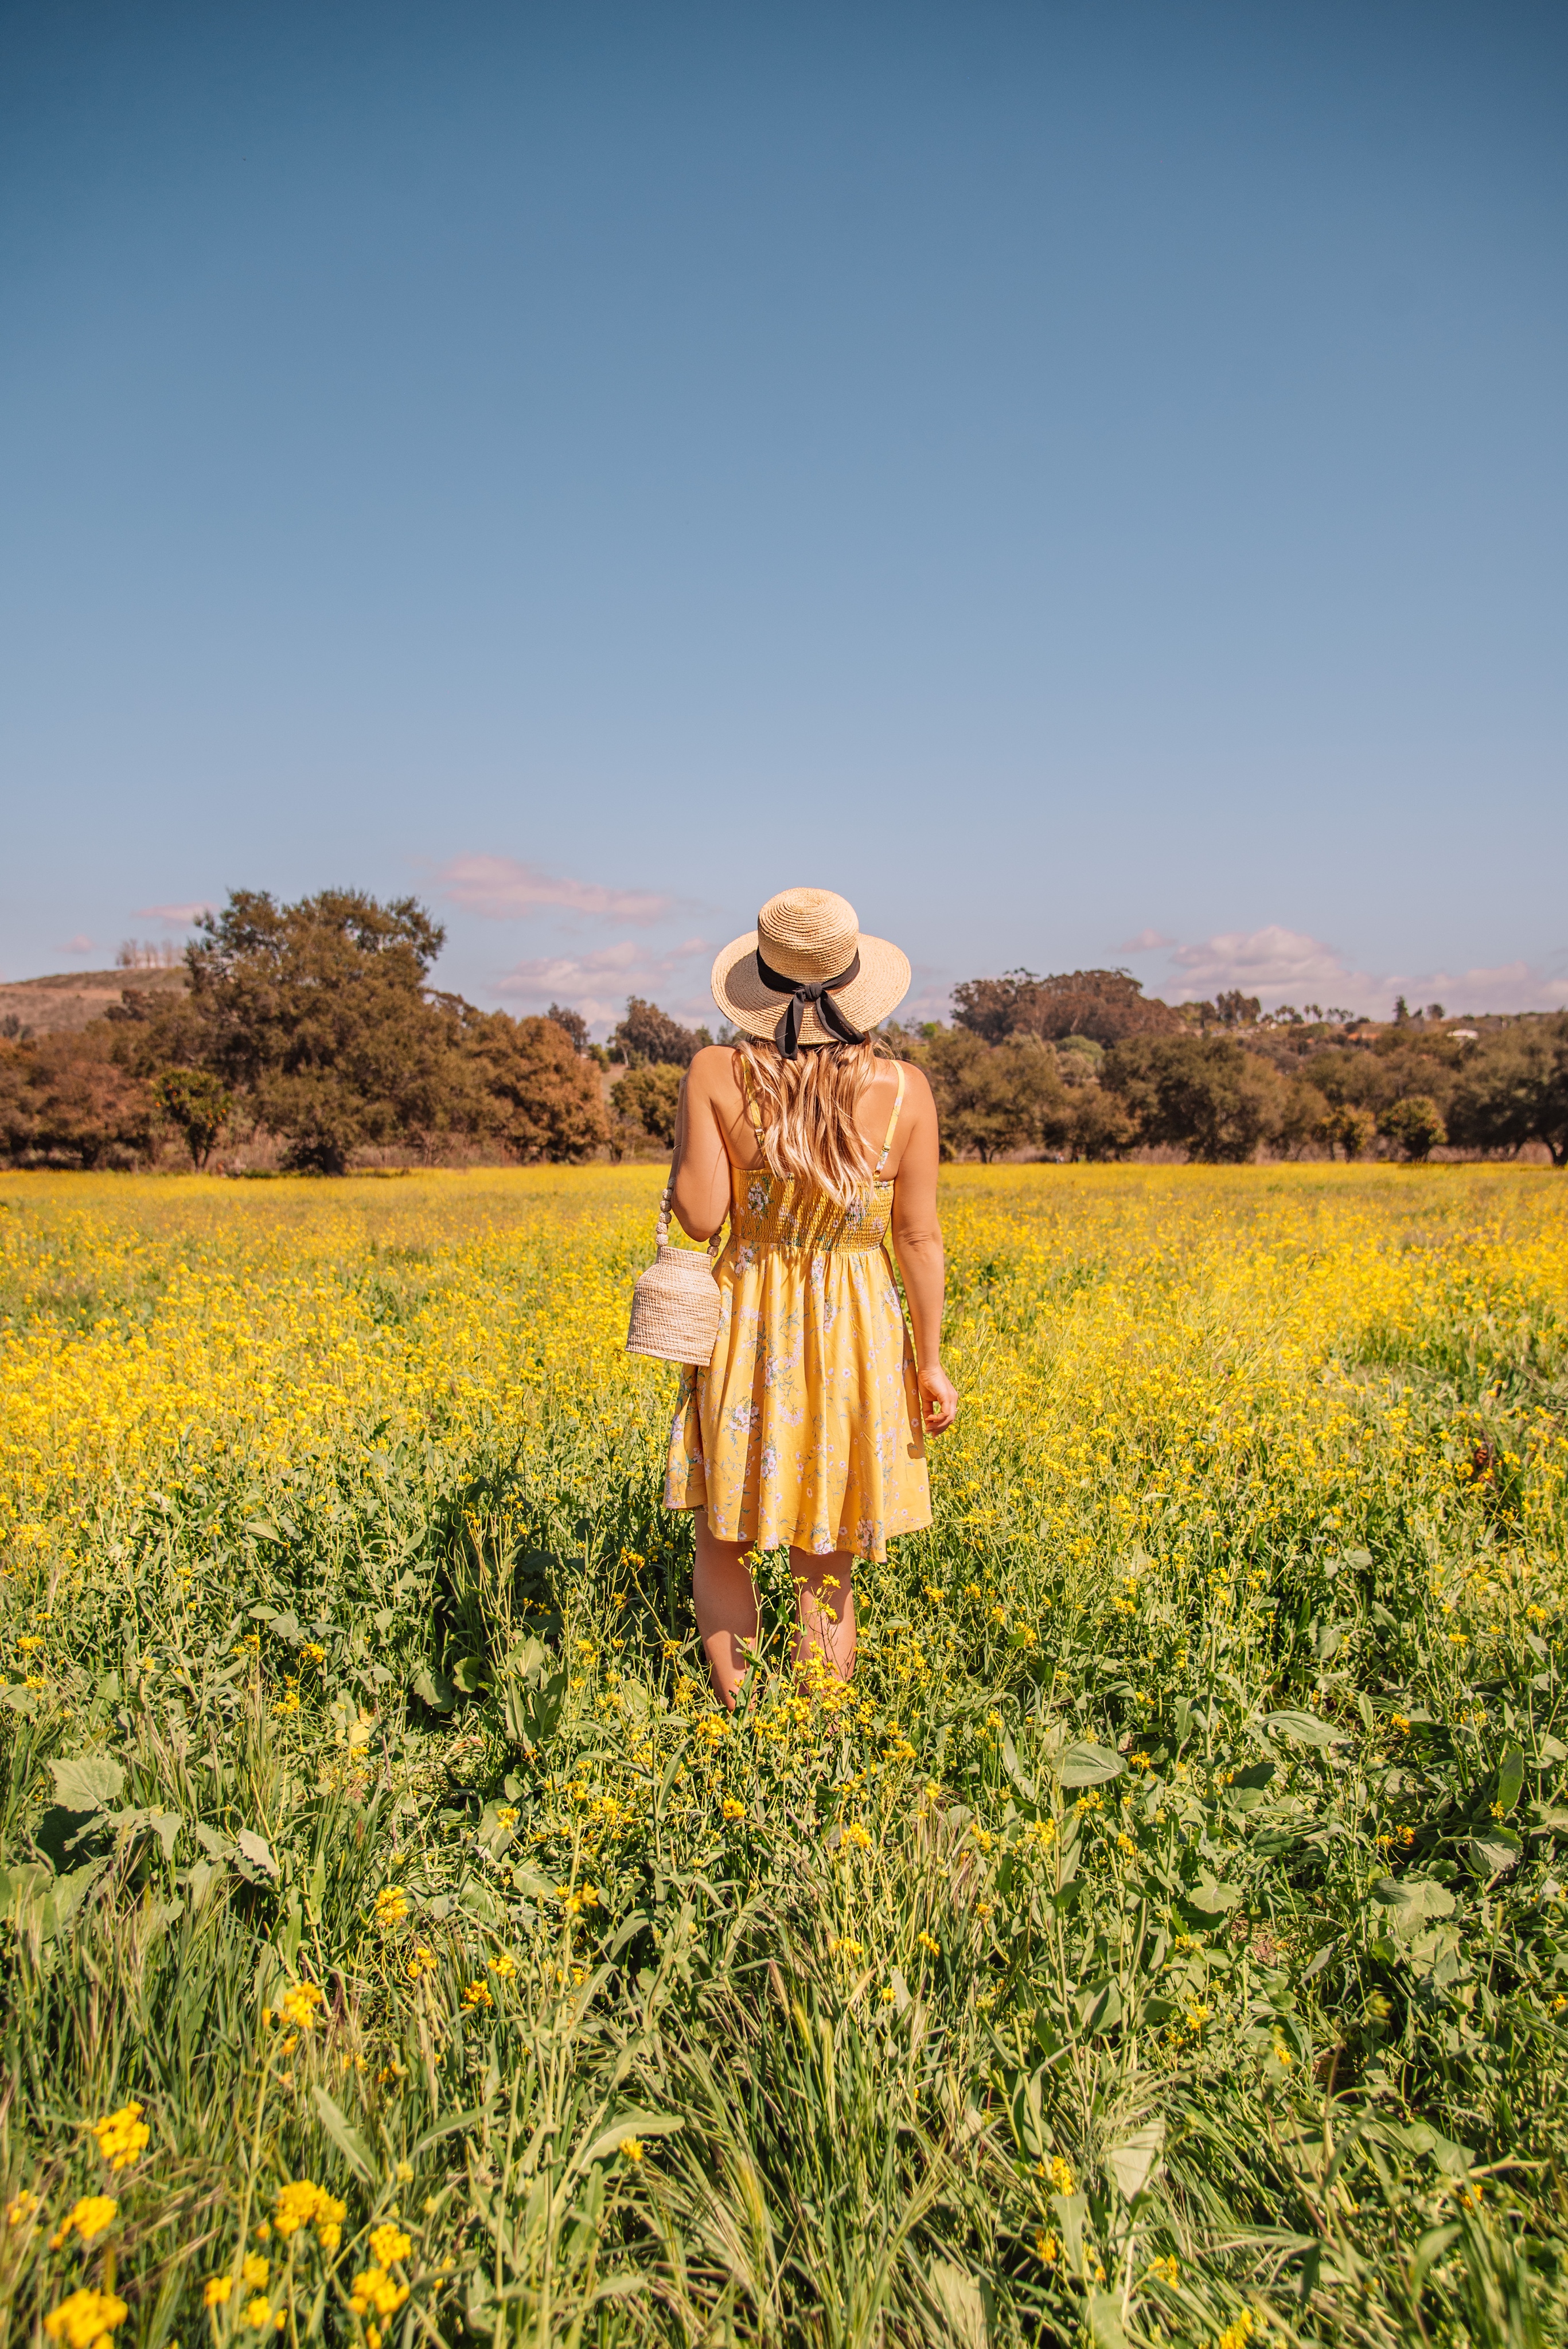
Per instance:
{"type": "Point", "coordinates": [809, 934]}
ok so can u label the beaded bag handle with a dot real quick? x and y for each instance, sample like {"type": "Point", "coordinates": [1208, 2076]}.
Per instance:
{"type": "Point", "coordinates": [661, 1239]}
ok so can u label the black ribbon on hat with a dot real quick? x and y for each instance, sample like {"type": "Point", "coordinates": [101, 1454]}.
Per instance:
{"type": "Point", "coordinates": [803, 993]}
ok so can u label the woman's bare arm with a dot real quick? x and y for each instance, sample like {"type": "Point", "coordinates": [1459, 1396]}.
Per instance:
{"type": "Point", "coordinates": [918, 1243]}
{"type": "Point", "coordinates": [708, 1098]}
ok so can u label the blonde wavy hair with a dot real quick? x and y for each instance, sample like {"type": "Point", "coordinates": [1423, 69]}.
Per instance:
{"type": "Point", "coordinates": [806, 1112]}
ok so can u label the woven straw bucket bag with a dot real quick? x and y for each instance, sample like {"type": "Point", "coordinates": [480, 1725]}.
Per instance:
{"type": "Point", "coordinates": [675, 1305]}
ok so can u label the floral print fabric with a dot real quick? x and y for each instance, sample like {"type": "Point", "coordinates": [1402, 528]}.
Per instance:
{"type": "Point", "coordinates": [804, 1428]}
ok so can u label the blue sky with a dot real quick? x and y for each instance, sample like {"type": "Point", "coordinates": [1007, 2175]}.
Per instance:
{"type": "Point", "coordinates": [1086, 480]}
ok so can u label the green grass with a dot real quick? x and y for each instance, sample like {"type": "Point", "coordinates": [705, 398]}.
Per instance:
{"type": "Point", "coordinates": [1164, 1940]}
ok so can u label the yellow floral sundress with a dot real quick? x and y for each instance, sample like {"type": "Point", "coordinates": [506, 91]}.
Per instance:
{"type": "Point", "coordinates": [804, 1428]}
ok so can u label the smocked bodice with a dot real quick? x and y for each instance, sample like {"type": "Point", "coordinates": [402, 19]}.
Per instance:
{"type": "Point", "coordinates": [779, 1211]}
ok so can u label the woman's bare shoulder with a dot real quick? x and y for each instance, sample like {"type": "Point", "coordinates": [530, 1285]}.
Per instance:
{"type": "Point", "coordinates": [916, 1084]}
{"type": "Point", "coordinates": [712, 1071]}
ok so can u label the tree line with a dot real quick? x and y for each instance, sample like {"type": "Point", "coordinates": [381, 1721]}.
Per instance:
{"type": "Point", "coordinates": [1083, 1065]}
{"type": "Point", "coordinates": [315, 1025]}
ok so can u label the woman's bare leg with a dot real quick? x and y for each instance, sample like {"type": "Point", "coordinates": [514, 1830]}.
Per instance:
{"type": "Point", "coordinates": [825, 1601]}
{"type": "Point", "coordinates": [725, 1600]}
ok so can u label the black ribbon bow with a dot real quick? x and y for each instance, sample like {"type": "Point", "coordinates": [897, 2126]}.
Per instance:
{"type": "Point", "coordinates": [802, 994]}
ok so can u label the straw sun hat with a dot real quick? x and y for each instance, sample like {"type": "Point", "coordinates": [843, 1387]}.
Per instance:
{"type": "Point", "coordinates": [809, 973]}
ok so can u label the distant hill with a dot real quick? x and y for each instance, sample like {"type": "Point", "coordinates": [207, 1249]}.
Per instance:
{"type": "Point", "coordinates": [71, 999]}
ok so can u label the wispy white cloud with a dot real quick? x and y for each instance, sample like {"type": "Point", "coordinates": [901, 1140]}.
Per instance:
{"type": "Point", "coordinates": [183, 916]}
{"type": "Point", "coordinates": [596, 984]}
{"type": "Point", "coordinates": [80, 944]}
{"type": "Point", "coordinates": [1263, 961]}
{"type": "Point", "coordinates": [1274, 962]}
{"type": "Point", "coordinates": [502, 889]}
{"type": "Point", "coordinates": [1146, 942]}
{"type": "Point", "coordinates": [1502, 987]}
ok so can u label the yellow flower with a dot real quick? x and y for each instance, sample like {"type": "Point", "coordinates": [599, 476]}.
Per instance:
{"type": "Point", "coordinates": [86, 2320]}
{"type": "Point", "coordinates": [391, 1907]}
{"type": "Point", "coordinates": [507, 1817]}
{"type": "Point", "coordinates": [404, 2173]}
{"type": "Point", "coordinates": [313, 1654]}
{"type": "Point", "coordinates": [255, 2272]}
{"type": "Point", "coordinates": [89, 2217]}
{"type": "Point", "coordinates": [423, 1963]}
{"type": "Point", "coordinates": [856, 1838]}
{"type": "Point", "coordinates": [122, 2136]}
{"type": "Point", "coordinates": [932, 1947]}
{"type": "Point", "coordinates": [23, 2207]}
{"type": "Point", "coordinates": [1237, 2335]}
{"type": "Point", "coordinates": [299, 2004]}
{"type": "Point", "coordinates": [477, 1993]}
{"type": "Point", "coordinates": [215, 2291]}
{"type": "Point", "coordinates": [732, 1810]}
{"type": "Point", "coordinates": [388, 2244]}
{"type": "Point", "coordinates": [631, 2149]}
{"type": "Point", "coordinates": [1060, 2175]}
{"type": "Point", "coordinates": [375, 2289]}
{"type": "Point", "coordinates": [1047, 2249]}
{"type": "Point", "coordinates": [503, 1966]}
{"type": "Point", "coordinates": [299, 2203]}
{"type": "Point", "coordinates": [1166, 2269]}
{"type": "Point", "coordinates": [258, 2313]}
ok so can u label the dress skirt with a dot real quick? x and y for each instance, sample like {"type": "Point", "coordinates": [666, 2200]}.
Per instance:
{"type": "Point", "coordinates": [805, 1427]}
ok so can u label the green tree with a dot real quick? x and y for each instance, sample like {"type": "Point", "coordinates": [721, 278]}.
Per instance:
{"type": "Point", "coordinates": [542, 1101]}
{"type": "Point", "coordinates": [994, 1098]}
{"type": "Point", "coordinates": [1100, 1127]}
{"type": "Point", "coordinates": [318, 1015]}
{"type": "Point", "coordinates": [1414, 1125]}
{"type": "Point", "coordinates": [198, 1105]}
{"type": "Point", "coordinates": [1348, 1128]}
{"type": "Point", "coordinates": [648, 1099]}
{"type": "Point", "coordinates": [1206, 1094]}
{"type": "Point", "coordinates": [1106, 1005]}
{"type": "Point", "coordinates": [1514, 1088]}
{"type": "Point", "coordinates": [648, 1037]}
{"type": "Point", "coordinates": [1303, 1119]}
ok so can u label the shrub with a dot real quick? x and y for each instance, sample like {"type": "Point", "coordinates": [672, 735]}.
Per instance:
{"type": "Point", "coordinates": [648, 1099]}
{"type": "Point", "coordinates": [541, 1100]}
{"type": "Point", "coordinates": [1413, 1126]}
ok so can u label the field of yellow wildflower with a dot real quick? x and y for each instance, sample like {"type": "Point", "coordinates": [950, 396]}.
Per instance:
{"type": "Point", "coordinates": [1163, 1939]}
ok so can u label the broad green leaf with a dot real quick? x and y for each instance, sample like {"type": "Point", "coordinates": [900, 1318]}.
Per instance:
{"type": "Point", "coordinates": [344, 2135]}
{"type": "Point", "coordinates": [631, 2124]}
{"type": "Point", "coordinates": [1432, 2245]}
{"type": "Point", "coordinates": [434, 1689]}
{"type": "Point", "coordinates": [1495, 1853]}
{"type": "Point", "coordinates": [1306, 1729]}
{"type": "Point", "coordinates": [257, 1850]}
{"type": "Point", "coordinates": [1413, 1901]}
{"type": "Point", "coordinates": [1131, 2162]}
{"type": "Point", "coordinates": [1089, 1766]}
{"type": "Point", "coordinates": [469, 1675]}
{"type": "Point", "coordinates": [88, 1784]}
{"type": "Point", "coordinates": [1510, 1778]}
{"type": "Point", "coordinates": [959, 2296]}
{"type": "Point", "coordinates": [1105, 2320]}
{"type": "Point", "coordinates": [1213, 1899]}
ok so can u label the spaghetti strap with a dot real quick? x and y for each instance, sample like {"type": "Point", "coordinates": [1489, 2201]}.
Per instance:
{"type": "Point", "coordinates": [893, 1120]}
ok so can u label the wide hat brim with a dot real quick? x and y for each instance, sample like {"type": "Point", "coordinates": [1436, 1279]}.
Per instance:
{"type": "Point", "coordinates": [878, 988]}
